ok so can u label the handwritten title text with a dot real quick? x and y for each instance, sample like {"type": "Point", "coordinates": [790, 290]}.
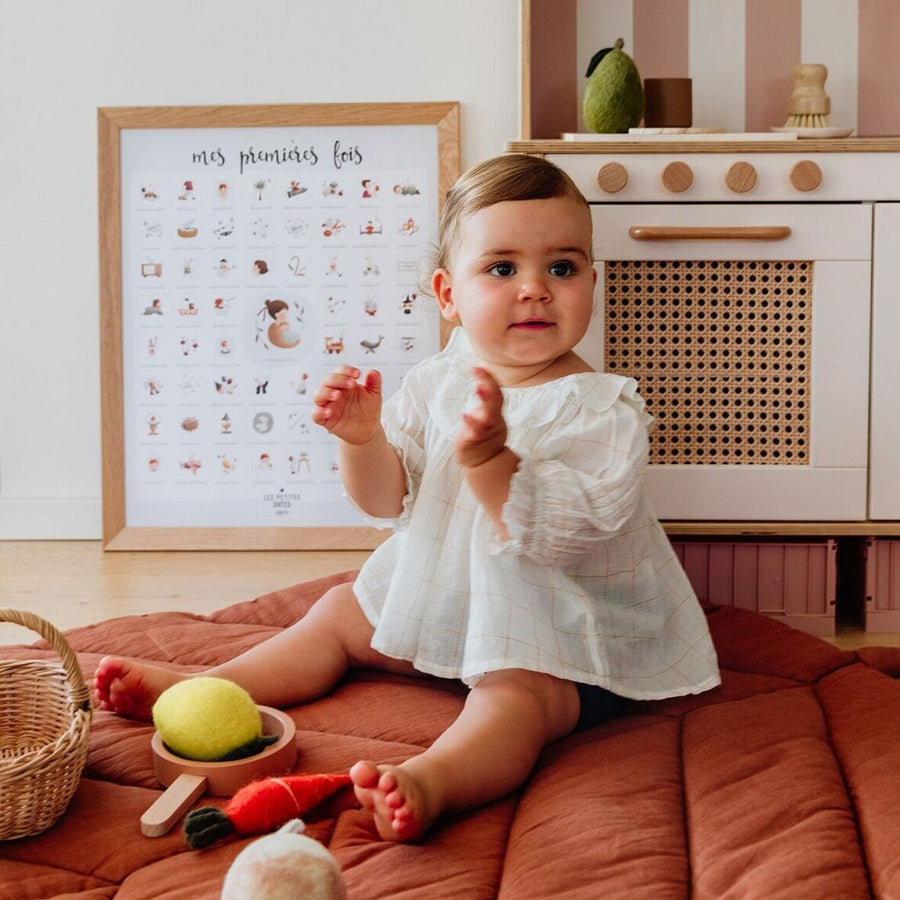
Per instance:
{"type": "Point", "coordinates": [249, 157]}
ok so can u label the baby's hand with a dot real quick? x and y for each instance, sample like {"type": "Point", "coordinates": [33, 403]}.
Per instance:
{"type": "Point", "coordinates": [482, 434]}
{"type": "Point", "coordinates": [346, 407]}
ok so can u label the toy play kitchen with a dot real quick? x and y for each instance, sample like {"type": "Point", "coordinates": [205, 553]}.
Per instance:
{"type": "Point", "coordinates": [751, 287]}
{"type": "Point", "coordinates": [750, 283]}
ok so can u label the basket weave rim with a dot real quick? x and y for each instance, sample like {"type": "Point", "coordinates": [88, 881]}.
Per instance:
{"type": "Point", "coordinates": [54, 637]}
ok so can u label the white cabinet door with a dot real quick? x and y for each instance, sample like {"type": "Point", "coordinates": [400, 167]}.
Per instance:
{"type": "Point", "coordinates": [759, 419]}
{"type": "Point", "coordinates": [884, 480]}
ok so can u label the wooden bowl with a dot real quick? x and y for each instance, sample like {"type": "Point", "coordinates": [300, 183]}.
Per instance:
{"type": "Point", "coordinates": [187, 779]}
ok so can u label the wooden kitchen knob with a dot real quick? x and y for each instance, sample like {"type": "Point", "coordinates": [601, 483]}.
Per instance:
{"type": "Point", "coordinates": [806, 175]}
{"type": "Point", "coordinates": [677, 177]}
{"type": "Point", "coordinates": [612, 177]}
{"type": "Point", "coordinates": [741, 177]}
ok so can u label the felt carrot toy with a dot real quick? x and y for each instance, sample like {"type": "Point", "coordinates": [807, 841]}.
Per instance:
{"type": "Point", "coordinates": [260, 807]}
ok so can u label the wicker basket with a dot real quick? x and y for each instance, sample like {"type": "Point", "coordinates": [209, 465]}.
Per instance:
{"type": "Point", "coordinates": [45, 719]}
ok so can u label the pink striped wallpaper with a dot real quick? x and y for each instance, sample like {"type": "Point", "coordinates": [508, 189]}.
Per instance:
{"type": "Point", "coordinates": [772, 47]}
{"type": "Point", "coordinates": [661, 37]}
{"type": "Point", "coordinates": [739, 54]}
{"type": "Point", "coordinates": [879, 67]}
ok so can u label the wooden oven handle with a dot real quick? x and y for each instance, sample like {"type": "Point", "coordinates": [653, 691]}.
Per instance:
{"type": "Point", "coordinates": [730, 233]}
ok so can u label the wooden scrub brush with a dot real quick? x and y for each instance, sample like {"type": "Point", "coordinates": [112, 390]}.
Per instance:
{"type": "Point", "coordinates": [809, 106]}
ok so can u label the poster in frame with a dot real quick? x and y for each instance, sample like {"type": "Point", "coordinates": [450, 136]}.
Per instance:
{"type": "Point", "coordinates": [244, 252]}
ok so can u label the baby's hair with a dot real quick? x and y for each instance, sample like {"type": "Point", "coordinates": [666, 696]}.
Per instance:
{"type": "Point", "coordinates": [514, 176]}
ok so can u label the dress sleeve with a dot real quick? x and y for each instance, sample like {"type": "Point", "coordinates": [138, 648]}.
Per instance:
{"type": "Point", "coordinates": [580, 485]}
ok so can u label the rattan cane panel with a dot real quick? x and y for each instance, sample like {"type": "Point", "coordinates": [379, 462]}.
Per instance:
{"type": "Point", "coordinates": [722, 352]}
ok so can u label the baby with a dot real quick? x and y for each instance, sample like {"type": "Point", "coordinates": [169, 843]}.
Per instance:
{"type": "Point", "coordinates": [525, 559]}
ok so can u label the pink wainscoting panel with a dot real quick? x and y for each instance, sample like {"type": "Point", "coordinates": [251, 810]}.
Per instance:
{"type": "Point", "coordinates": [882, 584]}
{"type": "Point", "coordinates": [794, 581]}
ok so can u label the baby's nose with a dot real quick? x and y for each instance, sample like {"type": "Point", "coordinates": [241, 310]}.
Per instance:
{"type": "Point", "coordinates": [533, 286]}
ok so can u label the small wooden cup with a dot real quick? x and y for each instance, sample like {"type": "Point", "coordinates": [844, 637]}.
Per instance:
{"type": "Point", "coordinates": [668, 103]}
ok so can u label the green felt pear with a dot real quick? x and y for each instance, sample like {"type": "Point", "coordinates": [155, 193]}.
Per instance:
{"type": "Point", "coordinates": [614, 97]}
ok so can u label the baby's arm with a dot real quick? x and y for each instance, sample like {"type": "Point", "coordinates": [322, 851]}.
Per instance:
{"type": "Point", "coordinates": [370, 467]}
{"type": "Point", "coordinates": [488, 464]}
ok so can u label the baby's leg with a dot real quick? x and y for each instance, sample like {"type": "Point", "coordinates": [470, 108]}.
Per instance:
{"type": "Point", "coordinates": [490, 750]}
{"type": "Point", "coordinates": [299, 664]}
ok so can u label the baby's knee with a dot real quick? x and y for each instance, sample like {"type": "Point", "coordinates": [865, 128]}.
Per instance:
{"type": "Point", "coordinates": [552, 699]}
{"type": "Point", "coordinates": [338, 615]}
{"type": "Point", "coordinates": [336, 603]}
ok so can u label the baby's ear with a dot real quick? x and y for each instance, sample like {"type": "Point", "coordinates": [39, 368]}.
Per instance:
{"type": "Point", "coordinates": [442, 289]}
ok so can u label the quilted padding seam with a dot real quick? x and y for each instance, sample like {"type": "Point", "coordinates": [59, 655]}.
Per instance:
{"type": "Point", "coordinates": [101, 882]}
{"type": "Point", "coordinates": [847, 788]}
{"type": "Point", "coordinates": [506, 846]}
{"type": "Point", "coordinates": [800, 682]}
{"type": "Point", "coordinates": [688, 866]}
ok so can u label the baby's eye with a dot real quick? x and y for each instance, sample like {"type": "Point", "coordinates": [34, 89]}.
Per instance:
{"type": "Point", "coordinates": [502, 269]}
{"type": "Point", "coordinates": [562, 268]}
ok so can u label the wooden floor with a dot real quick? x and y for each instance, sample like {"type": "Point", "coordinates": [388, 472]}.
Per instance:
{"type": "Point", "coordinates": [73, 583]}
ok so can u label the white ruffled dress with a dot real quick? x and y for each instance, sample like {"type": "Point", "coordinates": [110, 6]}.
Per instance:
{"type": "Point", "coordinates": [588, 587]}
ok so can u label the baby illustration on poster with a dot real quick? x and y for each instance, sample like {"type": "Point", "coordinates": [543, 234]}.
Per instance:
{"type": "Point", "coordinates": [252, 265]}
{"type": "Point", "coordinates": [284, 330]}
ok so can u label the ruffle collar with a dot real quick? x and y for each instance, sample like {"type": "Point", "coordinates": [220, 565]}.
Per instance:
{"type": "Point", "coordinates": [556, 401]}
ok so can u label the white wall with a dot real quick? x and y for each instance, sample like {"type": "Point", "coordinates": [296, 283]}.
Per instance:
{"type": "Point", "coordinates": [60, 60]}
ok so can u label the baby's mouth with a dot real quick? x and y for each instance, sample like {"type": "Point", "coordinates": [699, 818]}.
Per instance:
{"type": "Point", "coordinates": [532, 324]}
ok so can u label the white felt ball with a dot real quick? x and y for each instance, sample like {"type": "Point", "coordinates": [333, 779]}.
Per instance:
{"type": "Point", "coordinates": [285, 865]}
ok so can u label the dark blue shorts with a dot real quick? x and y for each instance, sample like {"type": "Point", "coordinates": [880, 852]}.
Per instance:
{"type": "Point", "coordinates": [597, 705]}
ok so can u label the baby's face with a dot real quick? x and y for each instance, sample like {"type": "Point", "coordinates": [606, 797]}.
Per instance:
{"type": "Point", "coordinates": [521, 280]}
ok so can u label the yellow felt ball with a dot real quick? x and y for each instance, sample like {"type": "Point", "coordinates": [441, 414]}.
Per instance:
{"type": "Point", "coordinates": [206, 718]}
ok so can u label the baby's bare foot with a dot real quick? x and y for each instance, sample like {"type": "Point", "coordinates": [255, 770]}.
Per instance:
{"type": "Point", "coordinates": [399, 801]}
{"type": "Point", "coordinates": [130, 688]}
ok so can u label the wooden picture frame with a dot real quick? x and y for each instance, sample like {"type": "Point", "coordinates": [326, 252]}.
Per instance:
{"type": "Point", "coordinates": [308, 142]}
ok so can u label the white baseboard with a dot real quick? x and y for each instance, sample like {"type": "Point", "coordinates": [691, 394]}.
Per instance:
{"type": "Point", "coordinates": [51, 519]}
